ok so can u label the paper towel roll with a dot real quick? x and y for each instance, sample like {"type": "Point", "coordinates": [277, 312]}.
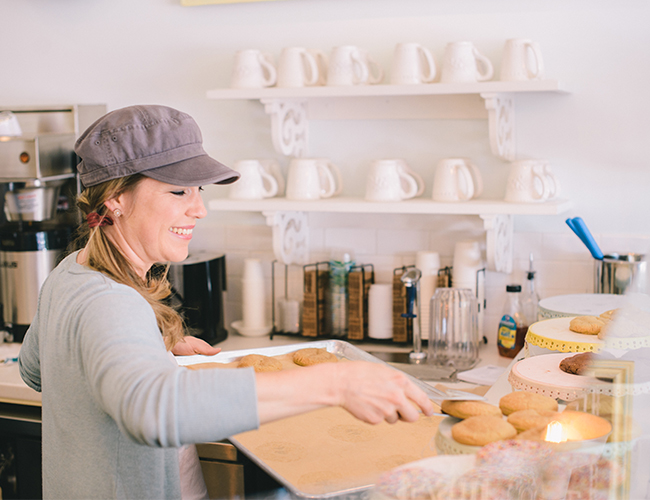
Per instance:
{"type": "Point", "coordinates": [253, 295]}
{"type": "Point", "coordinates": [380, 311]}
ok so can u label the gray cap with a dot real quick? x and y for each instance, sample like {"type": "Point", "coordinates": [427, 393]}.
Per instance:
{"type": "Point", "coordinates": [156, 141]}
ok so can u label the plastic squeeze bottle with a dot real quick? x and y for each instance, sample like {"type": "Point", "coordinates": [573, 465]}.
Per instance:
{"type": "Point", "coordinates": [513, 325]}
{"type": "Point", "coordinates": [529, 296]}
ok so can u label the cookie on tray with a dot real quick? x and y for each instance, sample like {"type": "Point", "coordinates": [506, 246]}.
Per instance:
{"type": "Point", "coordinates": [260, 363]}
{"type": "Point", "coordinates": [466, 409]}
{"type": "Point", "coordinates": [481, 430]}
{"type": "Point", "coordinates": [587, 325]}
{"type": "Point", "coordinates": [523, 420]}
{"type": "Point", "coordinates": [313, 356]}
{"type": "Point", "coordinates": [522, 400]}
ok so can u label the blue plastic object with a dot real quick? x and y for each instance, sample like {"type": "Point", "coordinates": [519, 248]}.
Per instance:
{"type": "Point", "coordinates": [580, 228]}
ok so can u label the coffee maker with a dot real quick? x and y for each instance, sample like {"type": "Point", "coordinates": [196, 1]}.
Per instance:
{"type": "Point", "coordinates": [38, 186]}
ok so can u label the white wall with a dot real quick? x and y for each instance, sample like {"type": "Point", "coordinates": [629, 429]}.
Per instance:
{"type": "Point", "coordinates": [123, 52]}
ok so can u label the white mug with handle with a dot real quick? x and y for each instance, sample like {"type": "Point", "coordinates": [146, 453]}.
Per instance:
{"type": "Point", "coordinates": [528, 182]}
{"type": "Point", "coordinates": [253, 69]}
{"type": "Point", "coordinates": [256, 182]}
{"type": "Point", "coordinates": [347, 66]}
{"type": "Point", "coordinates": [297, 67]}
{"type": "Point", "coordinates": [463, 63]}
{"type": "Point", "coordinates": [521, 61]}
{"type": "Point", "coordinates": [312, 179]}
{"type": "Point", "coordinates": [456, 179]}
{"type": "Point", "coordinates": [392, 180]}
{"type": "Point", "coordinates": [412, 64]}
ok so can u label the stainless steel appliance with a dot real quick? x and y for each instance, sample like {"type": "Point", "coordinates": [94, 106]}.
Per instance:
{"type": "Point", "coordinates": [198, 284]}
{"type": "Point", "coordinates": [38, 185]}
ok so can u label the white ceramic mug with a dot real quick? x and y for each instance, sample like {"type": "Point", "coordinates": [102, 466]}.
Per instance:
{"type": "Point", "coordinates": [297, 67]}
{"type": "Point", "coordinates": [412, 64]}
{"type": "Point", "coordinates": [463, 63]}
{"type": "Point", "coordinates": [256, 181]}
{"type": "Point", "coordinates": [375, 71]}
{"type": "Point", "coordinates": [392, 180]}
{"type": "Point", "coordinates": [347, 66]}
{"type": "Point", "coordinates": [521, 60]}
{"type": "Point", "coordinates": [312, 179]}
{"type": "Point", "coordinates": [530, 181]}
{"type": "Point", "coordinates": [253, 69]}
{"type": "Point", "coordinates": [322, 61]}
{"type": "Point", "coordinates": [456, 179]}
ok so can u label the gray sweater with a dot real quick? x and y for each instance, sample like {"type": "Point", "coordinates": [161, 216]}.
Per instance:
{"type": "Point", "coordinates": [115, 405]}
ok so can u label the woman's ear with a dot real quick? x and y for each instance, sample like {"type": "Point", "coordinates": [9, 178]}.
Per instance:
{"type": "Point", "coordinates": [113, 204]}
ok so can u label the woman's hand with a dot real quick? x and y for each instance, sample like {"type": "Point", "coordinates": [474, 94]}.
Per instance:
{"type": "Point", "coordinates": [193, 345]}
{"type": "Point", "coordinates": [371, 392]}
{"type": "Point", "coordinates": [374, 393]}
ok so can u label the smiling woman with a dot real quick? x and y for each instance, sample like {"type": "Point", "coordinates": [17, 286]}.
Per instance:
{"type": "Point", "coordinates": [120, 417]}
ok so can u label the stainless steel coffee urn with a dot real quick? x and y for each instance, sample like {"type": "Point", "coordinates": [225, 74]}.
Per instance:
{"type": "Point", "coordinates": [38, 186]}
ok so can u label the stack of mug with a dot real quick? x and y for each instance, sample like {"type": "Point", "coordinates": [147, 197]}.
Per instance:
{"type": "Point", "coordinates": [412, 63]}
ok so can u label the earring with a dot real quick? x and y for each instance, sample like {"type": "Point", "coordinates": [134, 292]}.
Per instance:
{"type": "Point", "coordinates": [117, 212]}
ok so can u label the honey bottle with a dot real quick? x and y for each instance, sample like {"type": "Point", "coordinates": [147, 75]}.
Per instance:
{"type": "Point", "coordinates": [513, 325]}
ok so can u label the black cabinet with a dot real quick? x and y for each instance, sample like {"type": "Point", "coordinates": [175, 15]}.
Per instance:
{"type": "Point", "coordinates": [20, 451]}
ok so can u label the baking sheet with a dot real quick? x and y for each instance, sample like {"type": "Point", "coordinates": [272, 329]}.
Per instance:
{"type": "Point", "coordinates": [327, 452]}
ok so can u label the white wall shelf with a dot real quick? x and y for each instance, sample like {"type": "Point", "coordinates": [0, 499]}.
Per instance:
{"type": "Point", "coordinates": [413, 206]}
{"type": "Point", "coordinates": [290, 110]}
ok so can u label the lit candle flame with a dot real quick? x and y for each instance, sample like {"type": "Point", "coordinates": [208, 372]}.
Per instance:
{"type": "Point", "coordinates": [555, 433]}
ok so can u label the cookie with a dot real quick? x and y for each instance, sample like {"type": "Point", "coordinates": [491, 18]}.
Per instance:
{"type": "Point", "coordinates": [260, 363]}
{"type": "Point", "coordinates": [523, 420]}
{"type": "Point", "coordinates": [481, 430]}
{"type": "Point", "coordinates": [313, 356]}
{"type": "Point", "coordinates": [577, 364]}
{"type": "Point", "coordinates": [588, 325]}
{"type": "Point", "coordinates": [521, 400]}
{"type": "Point", "coordinates": [608, 315]}
{"type": "Point", "coordinates": [466, 409]}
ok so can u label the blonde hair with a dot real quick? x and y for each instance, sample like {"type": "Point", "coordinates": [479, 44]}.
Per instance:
{"type": "Point", "coordinates": [105, 257]}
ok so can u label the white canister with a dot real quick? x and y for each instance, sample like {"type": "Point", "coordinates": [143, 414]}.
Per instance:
{"type": "Point", "coordinates": [380, 311]}
{"type": "Point", "coordinates": [253, 295]}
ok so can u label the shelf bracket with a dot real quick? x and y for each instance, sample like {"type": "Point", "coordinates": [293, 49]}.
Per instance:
{"type": "Point", "coordinates": [501, 124]}
{"type": "Point", "coordinates": [290, 236]}
{"type": "Point", "coordinates": [289, 125]}
{"type": "Point", "coordinates": [499, 242]}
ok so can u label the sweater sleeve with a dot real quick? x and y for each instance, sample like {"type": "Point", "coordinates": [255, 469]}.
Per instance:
{"type": "Point", "coordinates": [28, 359]}
{"type": "Point", "coordinates": [151, 398]}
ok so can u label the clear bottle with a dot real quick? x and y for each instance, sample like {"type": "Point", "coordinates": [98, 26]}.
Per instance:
{"type": "Point", "coordinates": [513, 325]}
{"type": "Point", "coordinates": [337, 297]}
{"type": "Point", "coordinates": [529, 296]}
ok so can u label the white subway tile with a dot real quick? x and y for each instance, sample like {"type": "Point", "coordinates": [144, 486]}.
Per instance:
{"type": "Point", "coordinates": [564, 246]}
{"type": "Point", "coordinates": [357, 240]}
{"type": "Point", "coordinates": [391, 241]}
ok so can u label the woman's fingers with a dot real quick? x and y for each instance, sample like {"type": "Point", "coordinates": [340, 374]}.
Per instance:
{"type": "Point", "coordinates": [375, 393]}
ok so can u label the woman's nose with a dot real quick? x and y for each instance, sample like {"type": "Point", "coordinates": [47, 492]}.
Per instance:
{"type": "Point", "coordinates": [198, 210]}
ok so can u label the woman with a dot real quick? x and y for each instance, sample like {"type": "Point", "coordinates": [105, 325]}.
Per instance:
{"type": "Point", "coordinates": [116, 406]}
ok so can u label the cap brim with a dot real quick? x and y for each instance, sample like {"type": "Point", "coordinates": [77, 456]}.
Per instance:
{"type": "Point", "coordinates": [197, 171]}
